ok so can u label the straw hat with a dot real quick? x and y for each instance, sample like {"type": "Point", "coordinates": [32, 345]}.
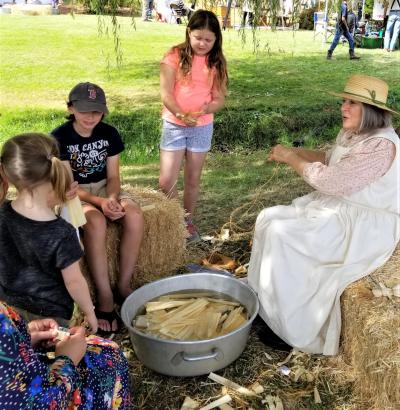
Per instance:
{"type": "Point", "coordinates": [368, 90]}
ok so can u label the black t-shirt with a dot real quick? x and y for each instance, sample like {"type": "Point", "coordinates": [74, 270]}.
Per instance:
{"type": "Point", "coordinates": [88, 156]}
{"type": "Point", "coordinates": [32, 255]}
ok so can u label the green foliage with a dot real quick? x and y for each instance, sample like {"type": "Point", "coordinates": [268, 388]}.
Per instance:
{"type": "Point", "coordinates": [139, 129]}
{"type": "Point", "coordinates": [368, 8]}
{"type": "Point", "coordinates": [107, 7]}
{"type": "Point", "coordinates": [141, 132]}
{"type": "Point", "coordinates": [252, 130]}
{"type": "Point", "coordinates": [107, 11]}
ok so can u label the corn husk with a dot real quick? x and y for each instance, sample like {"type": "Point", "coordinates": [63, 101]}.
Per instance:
{"type": "Point", "coordinates": [73, 212]}
{"type": "Point", "coordinates": [216, 403]}
{"type": "Point", "coordinates": [190, 318]}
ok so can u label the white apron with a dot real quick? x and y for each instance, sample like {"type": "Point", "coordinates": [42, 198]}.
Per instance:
{"type": "Point", "coordinates": [304, 255]}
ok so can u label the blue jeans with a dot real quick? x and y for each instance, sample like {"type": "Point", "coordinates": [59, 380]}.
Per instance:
{"type": "Point", "coordinates": [147, 8]}
{"type": "Point", "coordinates": [339, 32]}
{"type": "Point", "coordinates": [392, 30]}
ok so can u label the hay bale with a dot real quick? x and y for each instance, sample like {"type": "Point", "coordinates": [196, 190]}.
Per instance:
{"type": "Point", "coordinates": [164, 240]}
{"type": "Point", "coordinates": [371, 337]}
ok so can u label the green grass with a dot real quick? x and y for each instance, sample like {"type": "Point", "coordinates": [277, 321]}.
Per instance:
{"type": "Point", "coordinates": [276, 94]}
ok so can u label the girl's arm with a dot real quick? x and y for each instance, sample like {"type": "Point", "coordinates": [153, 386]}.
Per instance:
{"type": "Point", "coordinates": [78, 289]}
{"type": "Point", "coordinates": [113, 178]}
{"type": "Point", "coordinates": [112, 207]}
{"type": "Point", "coordinates": [167, 83]}
{"type": "Point", "coordinates": [89, 198]}
{"type": "Point", "coordinates": [217, 102]}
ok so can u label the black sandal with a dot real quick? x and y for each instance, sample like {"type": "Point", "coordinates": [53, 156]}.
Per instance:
{"type": "Point", "coordinates": [109, 317]}
{"type": "Point", "coordinates": [118, 298]}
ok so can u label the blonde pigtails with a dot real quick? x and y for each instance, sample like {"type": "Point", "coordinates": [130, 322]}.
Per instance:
{"type": "Point", "coordinates": [60, 178]}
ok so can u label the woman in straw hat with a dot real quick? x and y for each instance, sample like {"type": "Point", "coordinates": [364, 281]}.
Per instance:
{"type": "Point", "coordinates": [304, 255]}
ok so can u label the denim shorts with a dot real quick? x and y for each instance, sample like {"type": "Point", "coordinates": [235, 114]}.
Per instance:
{"type": "Point", "coordinates": [195, 139]}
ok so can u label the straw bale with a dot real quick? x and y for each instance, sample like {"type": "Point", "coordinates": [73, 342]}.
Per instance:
{"type": "Point", "coordinates": [164, 241]}
{"type": "Point", "coordinates": [371, 337]}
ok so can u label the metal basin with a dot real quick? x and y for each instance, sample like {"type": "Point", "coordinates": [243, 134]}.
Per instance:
{"type": "Point", "coordinates": [194, 357]}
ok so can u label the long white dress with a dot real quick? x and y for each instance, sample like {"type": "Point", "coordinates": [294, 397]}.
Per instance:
{"type": "Point", "coordinates": [304, 255]}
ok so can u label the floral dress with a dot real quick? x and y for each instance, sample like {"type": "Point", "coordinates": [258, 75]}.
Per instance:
{"type": "Point", "coordinates": [30, 380]}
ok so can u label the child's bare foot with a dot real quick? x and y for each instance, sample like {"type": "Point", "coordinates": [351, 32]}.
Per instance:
{"type": "Point", "coordinates": [107, 317]}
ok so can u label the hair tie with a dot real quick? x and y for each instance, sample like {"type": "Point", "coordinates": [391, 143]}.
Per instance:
{"type": "Point", "coordinates": [50, 156]}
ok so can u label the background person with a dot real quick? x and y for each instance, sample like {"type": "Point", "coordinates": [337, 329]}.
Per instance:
{"type": "Point", "coordinates": [163, 10]}
{"type": "Point", "coordinates": [342, 29]}
{"type": "Point", "coordinates": [352, 22]}
{"type": "Point", "coordinates": [86, 373]}
{"type": "Point", "coordinates": [393, 26]}
{"type": "Point", "coordinates": [248, 14]}
{"type": "Point", "coordinates": [181, 10]}
{"type": "Point", "coordinates": [147, 10]}
{"type": "Point", "coordinates": [193, 81]}
{"type": "Point", "coordinates": [304, 255]}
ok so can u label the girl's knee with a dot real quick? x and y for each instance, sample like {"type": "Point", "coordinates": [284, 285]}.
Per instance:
{"type": "Point", "coordinates": [95, 221]}
{"type": "Point", "coordinates": [133, 215]}
{"type": "Point", "coordinates": [165, 183]}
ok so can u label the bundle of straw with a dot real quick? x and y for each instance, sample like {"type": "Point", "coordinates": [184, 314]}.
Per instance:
{"type": "Point", "coordinates": [164, 241]}
{"type": "Point", "coordinates": [371, 337]}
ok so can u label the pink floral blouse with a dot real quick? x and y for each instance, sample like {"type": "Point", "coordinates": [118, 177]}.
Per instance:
{"type": "Point", "coordinates": [362, 165]}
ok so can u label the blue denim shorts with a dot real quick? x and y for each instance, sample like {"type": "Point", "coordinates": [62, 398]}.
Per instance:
{"type": "Point", "coordinates": [195, 139]}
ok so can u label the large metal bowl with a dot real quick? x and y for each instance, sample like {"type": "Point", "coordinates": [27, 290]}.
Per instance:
{"type": "Point", "coordinates": [194, 357]}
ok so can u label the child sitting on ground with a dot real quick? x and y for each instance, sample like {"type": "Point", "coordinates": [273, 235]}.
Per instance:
{"type": "Point", "coordinates": [91, 149]}
{"type": "Point", "coordinates": [39, 252]}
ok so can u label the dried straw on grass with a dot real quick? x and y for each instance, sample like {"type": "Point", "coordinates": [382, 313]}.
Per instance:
{"type": "Point", "coordinates": [164, 240]}
{"type": "Point", "coordinates": [371, 337]}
